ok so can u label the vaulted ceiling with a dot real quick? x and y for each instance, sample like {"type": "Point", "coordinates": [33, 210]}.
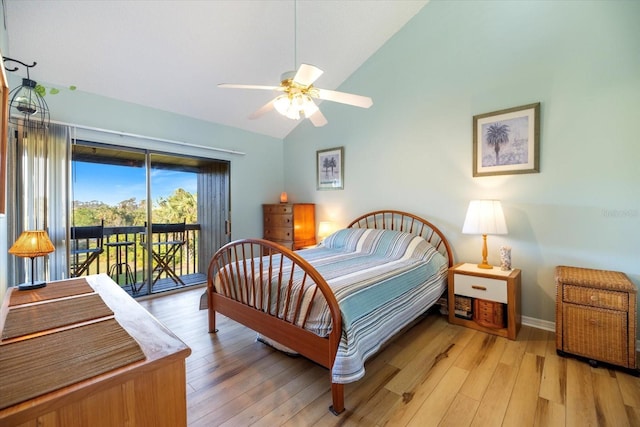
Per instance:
{"type": "Point", "coordinates": [171, 55]}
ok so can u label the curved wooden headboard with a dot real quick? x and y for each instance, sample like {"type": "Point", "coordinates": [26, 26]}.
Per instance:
{"type": "Point", "coordinates": [408, 223]}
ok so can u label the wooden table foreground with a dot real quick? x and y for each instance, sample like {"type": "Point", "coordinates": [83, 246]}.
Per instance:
{"type": "Point", "coordinates": [148, 391]}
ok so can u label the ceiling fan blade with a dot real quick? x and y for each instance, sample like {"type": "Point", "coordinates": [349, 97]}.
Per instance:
{"type": "Point", "coordinates": [345, 98]}
{"type": "Point", "coordinates": [318, 119]}
{"type": "Point", "coordinates": [307, 74]}
{"type": "Point", "coordinates": [263, 110]}
{"type": "Point", "coordinates": [237, 86]}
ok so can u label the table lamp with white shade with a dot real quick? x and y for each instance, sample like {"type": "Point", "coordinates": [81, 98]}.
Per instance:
{"type": "Point", "coordinates": [484, 217]}
{"type": "Point", "coordinates": [325, 229]}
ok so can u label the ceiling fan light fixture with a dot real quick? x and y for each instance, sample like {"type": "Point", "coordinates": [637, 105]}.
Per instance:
{"type": "Point", "coordinates": [309, 107]}
{"type": "Point", "coordinates": [295, 105]}
{"type": "Point", "coordinates": [284, 105]}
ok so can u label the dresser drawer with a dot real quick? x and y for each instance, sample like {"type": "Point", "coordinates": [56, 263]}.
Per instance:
{"type": "Point", "coordinates": [285, 220]}
{"type": "Point", "coordinates": [595, 333]}
{"type": "Point", "coordinates": [286, 243]}
{"type": "Point", "coordinates": [277, 209]}
{"type": "Point", "coordinates": [277, 233]}
{"type": "Point", "coordinates": [595, 297]}
{"type": "Point", "coordinates": [481, 287]}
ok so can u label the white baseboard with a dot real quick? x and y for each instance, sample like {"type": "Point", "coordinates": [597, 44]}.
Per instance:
{"type": "Point", "coordinates": [539, 323]}
{"type": "Point", "coordinates": [550, 326]}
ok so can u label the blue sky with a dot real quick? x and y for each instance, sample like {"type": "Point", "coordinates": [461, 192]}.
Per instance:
{"type": "Point", "coordinates": [113, 184]}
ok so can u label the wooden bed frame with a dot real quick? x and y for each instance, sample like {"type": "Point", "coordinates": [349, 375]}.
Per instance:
{"type": "Point", "coordinates": [246, 255]}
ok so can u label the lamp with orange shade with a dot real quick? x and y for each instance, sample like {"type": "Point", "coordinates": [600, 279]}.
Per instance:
{"type": "Point", "coordinates": [32, 244]}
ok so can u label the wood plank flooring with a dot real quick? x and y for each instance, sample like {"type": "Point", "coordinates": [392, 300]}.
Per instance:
{"type": "Point", "coordinates": [433, 374]}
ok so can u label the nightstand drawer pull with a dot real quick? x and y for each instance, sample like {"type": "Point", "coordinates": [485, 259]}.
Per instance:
{"type": "Point", "coordinates": [480, 288]}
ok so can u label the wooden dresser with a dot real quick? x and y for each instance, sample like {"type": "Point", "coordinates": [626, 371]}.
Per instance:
{"type": "Point", "coordinates": [596, 315]}
{"type": "Point", "coordinates": [290, 224]}
{"type": "Point", "coordinates": [83, 377]}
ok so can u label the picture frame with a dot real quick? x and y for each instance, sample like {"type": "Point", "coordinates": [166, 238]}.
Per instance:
{"type": "Point", "coordinates": [507, 141]}
{"type": "Point", "coordinates": [330, 169]}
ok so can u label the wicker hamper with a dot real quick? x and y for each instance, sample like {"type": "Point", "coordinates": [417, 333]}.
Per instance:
{"type": "Point", "coordinates": [596, 315]}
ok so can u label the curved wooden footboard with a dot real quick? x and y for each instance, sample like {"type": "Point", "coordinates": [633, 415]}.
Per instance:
{"type": "Point", "coordinates": [246, 283]}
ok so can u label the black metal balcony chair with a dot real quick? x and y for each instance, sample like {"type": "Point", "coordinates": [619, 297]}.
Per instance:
{"type": "Point", "coordinates": [164, 248]}
{"type": "Point", "coordinates": [86, 246]}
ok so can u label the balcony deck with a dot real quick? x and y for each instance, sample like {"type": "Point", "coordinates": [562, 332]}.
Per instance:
{"type": "Point", "coordinates": [167, 284]}
{"type": "Point", "coordinates": [132, 255]}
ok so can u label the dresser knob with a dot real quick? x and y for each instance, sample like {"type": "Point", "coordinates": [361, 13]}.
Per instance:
{"type": "Point", "coordinates": [594, 298]}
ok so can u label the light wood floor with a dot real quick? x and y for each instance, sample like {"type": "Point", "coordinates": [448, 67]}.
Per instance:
{"type": "Point", "coordinates": [433, 374]}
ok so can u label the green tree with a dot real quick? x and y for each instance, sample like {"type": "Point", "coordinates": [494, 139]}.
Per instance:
{"type": "Point", "coordinates": [179, 206]}
{"type": "Point", "coordinates": [129, 212]}
{"type": "Point", "coordinates": [89, 213]}
{"type": "Point", "coordinates": [497, 134]}
{"type": "Point", "coordinates": [329, 163]}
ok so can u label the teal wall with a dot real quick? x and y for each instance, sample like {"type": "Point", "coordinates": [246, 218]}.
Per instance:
{"type": "Point", "coordinates": [412, 150]}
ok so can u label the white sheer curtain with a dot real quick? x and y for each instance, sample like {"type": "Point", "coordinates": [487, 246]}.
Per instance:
{"type": "Point", "coordinates": [37, 199]}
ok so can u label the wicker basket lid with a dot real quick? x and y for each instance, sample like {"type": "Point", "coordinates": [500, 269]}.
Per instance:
{"type": "Point", "coordinates": [589, 277]}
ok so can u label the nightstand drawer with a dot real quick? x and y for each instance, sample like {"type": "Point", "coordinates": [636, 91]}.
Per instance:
{"type": "Point", "coordinates": [481, 287]}
{"type": "Point", "coordinates": [596, 297]}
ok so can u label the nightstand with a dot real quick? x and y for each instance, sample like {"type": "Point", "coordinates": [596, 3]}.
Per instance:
{"type": "Point", "coordinates": [488, 300]}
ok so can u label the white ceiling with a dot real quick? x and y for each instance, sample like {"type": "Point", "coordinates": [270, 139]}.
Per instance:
{"type": "Point", "coordinates": [171, 55]}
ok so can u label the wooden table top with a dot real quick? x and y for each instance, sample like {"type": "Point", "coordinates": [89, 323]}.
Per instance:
{"type": "Point", "coordinates": [159, 345]}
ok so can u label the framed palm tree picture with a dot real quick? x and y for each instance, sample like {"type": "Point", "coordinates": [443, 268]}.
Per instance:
{"type": "Point", "coordinates": [507, 141]}
{"type": "Point", "coordinates": [330, 169]}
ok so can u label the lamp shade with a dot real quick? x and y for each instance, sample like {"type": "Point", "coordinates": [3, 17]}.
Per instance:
{"type": "Point", "coordinates": [484, 217]}
{"type": "Point", "coordinates": [325, 229]}
{"type": "Point", "coordinates": [292, 104]}
{"type": "Point", "coordinates": [32, 244]}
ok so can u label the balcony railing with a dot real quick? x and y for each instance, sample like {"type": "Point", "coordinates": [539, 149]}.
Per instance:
{"type": "Point", "coordinates": [124, 258]}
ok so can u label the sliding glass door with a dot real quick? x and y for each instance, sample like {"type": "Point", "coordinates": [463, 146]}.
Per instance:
{"type": "Point", "coordinates": [163, 215]}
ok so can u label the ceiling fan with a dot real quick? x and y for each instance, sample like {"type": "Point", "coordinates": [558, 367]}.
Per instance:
{"type": "Point", "coordinates": [296, 101]}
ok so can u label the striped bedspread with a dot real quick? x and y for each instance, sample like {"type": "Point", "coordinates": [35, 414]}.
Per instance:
{"type": "Point", "coordinates": [382, 280]}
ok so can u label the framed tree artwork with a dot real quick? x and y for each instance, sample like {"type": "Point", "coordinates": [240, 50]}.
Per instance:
{"type": "Point", "coordinates": [507, 141]}
{"type": "Point", "coordinates": [330, 169]}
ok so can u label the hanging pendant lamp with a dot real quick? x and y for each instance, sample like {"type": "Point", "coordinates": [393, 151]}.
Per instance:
{"type": "Point", "coordinates": [26, 105]}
